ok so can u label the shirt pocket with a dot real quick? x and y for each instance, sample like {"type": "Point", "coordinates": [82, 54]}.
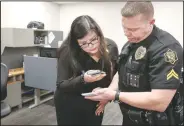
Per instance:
{"type": "Point", "coordinates": [136, 67]}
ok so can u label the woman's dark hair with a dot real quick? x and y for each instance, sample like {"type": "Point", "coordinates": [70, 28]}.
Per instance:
{"type": "Point", "coordinates": [80, 28]}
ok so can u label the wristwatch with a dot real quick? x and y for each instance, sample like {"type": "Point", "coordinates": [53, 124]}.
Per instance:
{"type": "Point", "coordinates": [116, 100]}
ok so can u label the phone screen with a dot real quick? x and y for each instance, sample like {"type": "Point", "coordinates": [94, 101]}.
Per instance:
{"type": "Point", "coordinates": [95, 72]}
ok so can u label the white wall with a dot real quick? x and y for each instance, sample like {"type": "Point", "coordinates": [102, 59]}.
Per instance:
{"type": "Point", "coordinates": [169, 16]}
{"type": "Point", "coordinates": [19, 14]}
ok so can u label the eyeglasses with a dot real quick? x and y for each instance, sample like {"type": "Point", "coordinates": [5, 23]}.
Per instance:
{"type": "Point", "coordinates": [93, 42]}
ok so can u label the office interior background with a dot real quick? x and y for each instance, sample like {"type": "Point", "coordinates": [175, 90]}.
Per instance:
{"type": "Point", "coordinates": [58, 16]}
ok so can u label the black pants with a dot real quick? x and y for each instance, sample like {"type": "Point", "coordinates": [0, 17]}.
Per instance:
{"type": "Point", "coordinates": [75, 110]}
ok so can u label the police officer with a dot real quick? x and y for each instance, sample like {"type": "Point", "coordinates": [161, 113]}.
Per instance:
{"type": "Point", "coordinates": [149, 71]}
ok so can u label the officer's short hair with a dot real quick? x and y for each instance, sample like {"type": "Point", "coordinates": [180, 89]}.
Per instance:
{"type": "Point", "coordinates": [132, 8]}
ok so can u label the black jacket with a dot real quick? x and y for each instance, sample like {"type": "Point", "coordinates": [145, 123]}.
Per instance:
{"type": "Point", "coordinates": [67, 84]}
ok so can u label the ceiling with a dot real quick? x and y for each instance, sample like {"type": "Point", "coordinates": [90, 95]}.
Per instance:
{"type": "Point", "coordinates": [77, 1]}
{"type": "Point", "coordinates": [64, 2]}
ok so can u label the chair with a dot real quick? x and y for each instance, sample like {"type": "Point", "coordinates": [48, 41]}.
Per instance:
{"type": "Point", "coordinates": [5, 108]}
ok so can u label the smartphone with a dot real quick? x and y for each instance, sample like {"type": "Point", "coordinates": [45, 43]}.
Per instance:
{"type": "Point", "coordinates": [95, 72]}
{"type": "Point", "coordinates": [88, 94]}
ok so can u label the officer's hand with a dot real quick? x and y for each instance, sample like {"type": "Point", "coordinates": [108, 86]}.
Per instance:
{"type": "Point", "coordinates": [102, 94]}
{"type": "Point", "coordinates": [92, 78]}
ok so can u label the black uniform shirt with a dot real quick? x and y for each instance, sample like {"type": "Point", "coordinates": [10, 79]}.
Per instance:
{"type": "Point", "coordinates": [69, 85]}
{"type": "Point", "coordinates": [154, 63]}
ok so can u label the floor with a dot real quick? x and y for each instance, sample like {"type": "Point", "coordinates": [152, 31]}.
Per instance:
{"type": "Point", "coordinates": [44, 114]}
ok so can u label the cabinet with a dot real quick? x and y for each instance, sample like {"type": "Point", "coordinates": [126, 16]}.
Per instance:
{"type": "Point", "coordinates": [14, 94]}
{"type": "Point", "coordinates": [19, 94]}
{"type": "Point", "coordinates": [19, 37]}
{"type": "Point", "coordinates": [16, 37]}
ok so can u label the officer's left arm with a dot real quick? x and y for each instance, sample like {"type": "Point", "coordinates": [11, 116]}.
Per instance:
{"type": "Point", "coordinates": [164, 73]}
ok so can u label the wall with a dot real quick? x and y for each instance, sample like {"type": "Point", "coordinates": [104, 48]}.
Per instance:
{"type": "Point", "coordinates": [168, 15]}
{"type": "Point", "coordinates": [18, 15]}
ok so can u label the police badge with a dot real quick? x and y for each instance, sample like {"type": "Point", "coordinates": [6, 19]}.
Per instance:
{"type": "Point", "coordinates": [140, 53]}
{"type": "Point", "coordinates": [170, 56]}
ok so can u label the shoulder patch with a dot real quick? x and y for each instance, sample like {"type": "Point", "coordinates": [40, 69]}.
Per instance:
{"type": "Point", "coordinates": [170, 56]}
{"type": "Point", "coordinates": [171, 74]}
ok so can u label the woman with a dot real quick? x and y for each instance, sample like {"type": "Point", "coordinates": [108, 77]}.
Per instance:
{"type": "Point", "coordinates": [84, 50]}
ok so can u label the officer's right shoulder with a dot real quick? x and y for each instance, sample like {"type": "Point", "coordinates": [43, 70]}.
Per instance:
{"type": "Point", "coordinates": [125, 45]}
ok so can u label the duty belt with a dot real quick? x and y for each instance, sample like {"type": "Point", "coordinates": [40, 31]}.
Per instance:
{"type": "Point", "coordinates": [137, 116]}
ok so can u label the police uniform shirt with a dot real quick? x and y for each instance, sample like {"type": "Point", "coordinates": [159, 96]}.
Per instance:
{"type": "Point", "coordinates": [154, 63]}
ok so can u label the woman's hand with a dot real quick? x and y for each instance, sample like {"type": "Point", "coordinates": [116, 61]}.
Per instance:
{"type": "Point", "coordinates": [101, 106]}
{"type": "Point", "coordinates": [92, 78]}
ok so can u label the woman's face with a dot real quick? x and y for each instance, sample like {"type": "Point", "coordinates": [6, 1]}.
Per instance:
{"type": "Point", "coordinates": [90, 43]}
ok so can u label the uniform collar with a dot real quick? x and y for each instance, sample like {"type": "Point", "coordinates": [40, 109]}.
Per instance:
{"type": "Point", "coordinates": [147, 41]}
